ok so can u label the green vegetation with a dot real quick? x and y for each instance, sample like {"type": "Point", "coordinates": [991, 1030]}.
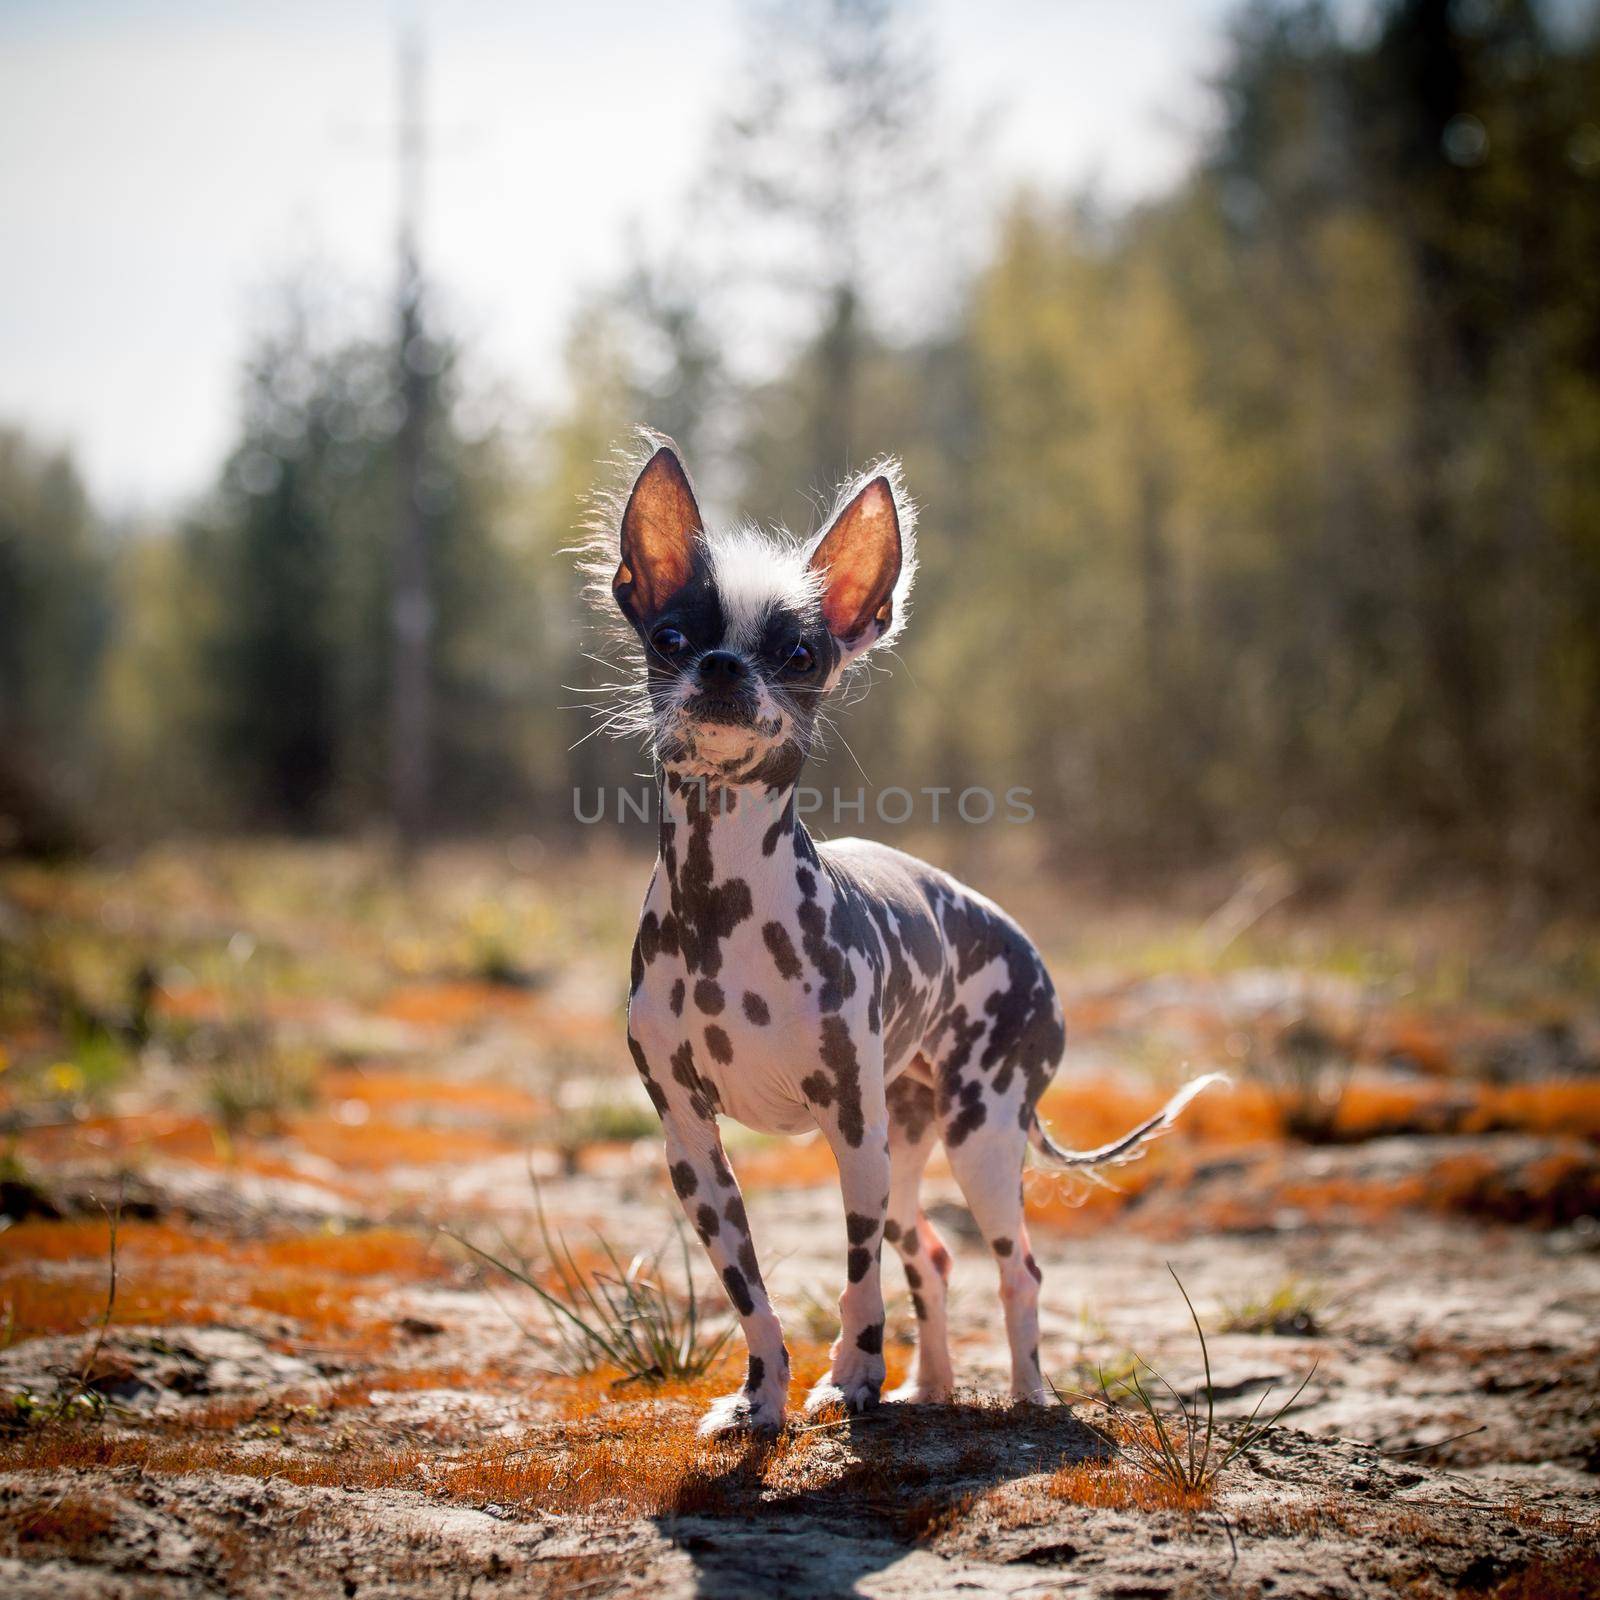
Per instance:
{"type": "Point", "coordinates": [622, 1314]}
{"type": "Point", "coordinates": [1293, 1309]}
{"type": "Point", "coordinates": [1278, 488]}
{"type": "Point", "coordinates": [1183, 1449]}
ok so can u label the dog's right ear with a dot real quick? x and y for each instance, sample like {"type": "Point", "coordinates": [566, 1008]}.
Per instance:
{"type": "Point", "coordinates": [661, 532]}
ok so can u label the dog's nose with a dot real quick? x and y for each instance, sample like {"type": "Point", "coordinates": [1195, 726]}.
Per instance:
{"type": "Point", "coordinates": [720, 669]}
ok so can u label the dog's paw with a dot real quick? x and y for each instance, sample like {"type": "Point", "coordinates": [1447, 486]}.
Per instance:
{"type": "Point", "coordinates": [912, 1393]}
{"type": "Point", "coordinates": [850, 1393]}
{"type": "Point", "coordinates": [742, 1412]}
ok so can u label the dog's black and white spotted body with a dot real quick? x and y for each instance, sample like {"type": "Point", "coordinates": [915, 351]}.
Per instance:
{"type": "Point", "coordinates": [793, 985]}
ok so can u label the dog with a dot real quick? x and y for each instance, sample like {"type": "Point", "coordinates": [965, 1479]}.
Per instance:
{"type": "Point", "coordinates": [791, 984]}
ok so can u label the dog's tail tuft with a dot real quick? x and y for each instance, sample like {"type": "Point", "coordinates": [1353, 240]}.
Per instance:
{"type": "Point", "coordinates": [1130, 1146]}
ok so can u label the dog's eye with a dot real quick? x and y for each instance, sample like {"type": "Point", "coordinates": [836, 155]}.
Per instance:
{"type": "Point", "coordinates": [669, 642]}
{"type": "Point", "coordinates": [801, 659]}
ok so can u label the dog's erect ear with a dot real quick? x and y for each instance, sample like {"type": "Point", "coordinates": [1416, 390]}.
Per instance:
{"type": "Point", "coordinates": [860, 560]}
{"type": "Point", "coordinates": [661, 531]}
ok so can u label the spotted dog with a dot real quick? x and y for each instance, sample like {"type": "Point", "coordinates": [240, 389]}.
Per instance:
{"type": "Point", "coordinates": [791, 984]}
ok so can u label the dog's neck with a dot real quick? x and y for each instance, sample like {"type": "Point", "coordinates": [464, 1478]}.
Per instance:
{"type": "Point", "coordinates": [715, 831]}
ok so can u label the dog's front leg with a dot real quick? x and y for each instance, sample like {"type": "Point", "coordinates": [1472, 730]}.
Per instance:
{"type": "Point", "coordinates": [860, 1144]}
{"type": "Point", "coordinates": [710, 1194]}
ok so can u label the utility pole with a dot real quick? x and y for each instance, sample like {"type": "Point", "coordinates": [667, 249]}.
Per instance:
{"type": "Point", "coordinates": [412, 608]}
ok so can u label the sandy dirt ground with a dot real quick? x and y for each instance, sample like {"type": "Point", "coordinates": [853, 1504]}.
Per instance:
{"type": "Point", "coordinates": [305, 1387]}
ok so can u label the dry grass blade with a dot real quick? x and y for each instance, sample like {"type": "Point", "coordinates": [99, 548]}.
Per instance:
{"type": "Point", "coordinates": [1183, 1450]}
{"type": "Point", "coordinates": [80, 1393]}
{"type": "Point", "coordinates": [624, 1316]}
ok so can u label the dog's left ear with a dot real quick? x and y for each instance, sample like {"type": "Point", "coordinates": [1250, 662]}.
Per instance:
{"type": "Point", "coordinates": [864, 562]}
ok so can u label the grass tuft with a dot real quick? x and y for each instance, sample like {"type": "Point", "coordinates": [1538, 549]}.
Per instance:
{"type": "Point", "coordinates": [1182, 1450]}
{"type": "Point", "coordinates": [1292, 1310]}
{"type": "Point", "coordinates": [616, 1313]}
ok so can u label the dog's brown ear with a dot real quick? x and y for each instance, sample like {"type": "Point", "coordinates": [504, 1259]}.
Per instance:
{"type": "Point", "coordinates": [859, 560]}
{"type": "Point", "coordinates": [661, 528]}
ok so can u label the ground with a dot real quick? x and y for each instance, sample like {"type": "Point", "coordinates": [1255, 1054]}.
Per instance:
{"type": "Point", "coordinates": [297, 1083]}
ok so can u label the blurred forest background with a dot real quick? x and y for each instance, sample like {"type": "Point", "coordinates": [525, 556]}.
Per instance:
{"type": "Point", "coordinates": [1263, 515]}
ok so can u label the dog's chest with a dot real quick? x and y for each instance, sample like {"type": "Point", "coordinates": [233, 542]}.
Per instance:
{"type": "Point", "coordinates": [738, 959]}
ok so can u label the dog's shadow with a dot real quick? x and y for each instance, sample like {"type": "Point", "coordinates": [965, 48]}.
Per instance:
{"type": "Point", "coordinates": [826, 1506]}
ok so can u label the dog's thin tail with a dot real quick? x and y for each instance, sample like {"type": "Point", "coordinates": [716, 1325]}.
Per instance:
{"type": "Point", "coordinates": [1131, 1145]}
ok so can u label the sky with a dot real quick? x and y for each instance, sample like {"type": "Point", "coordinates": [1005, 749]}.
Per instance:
{"type": "Point", "coordinates": [164, 163]}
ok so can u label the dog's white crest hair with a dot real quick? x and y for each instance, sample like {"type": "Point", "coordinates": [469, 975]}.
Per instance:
{"type": "Point", "coordinates": [757, 573]}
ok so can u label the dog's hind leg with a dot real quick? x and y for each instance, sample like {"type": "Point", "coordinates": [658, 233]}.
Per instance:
{"type": "Point", "coordinates": [987, 1163]}
{"type": "Point", "coordinates": [913, 1132]}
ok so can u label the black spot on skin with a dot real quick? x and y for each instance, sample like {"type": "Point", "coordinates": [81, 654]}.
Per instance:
{"type": "Point", "coordinates": [755, 1008]}
{"type": "Point", "coordinates": [756, 1375]}
{"type": "Point", "coordinates": [738, 1291]}
{"type": "Point", "coordinates": [676, 999]}
{"type": "Point", "coordinates": [919, 1307]}
{"type": "Point", "coordinates": [702, 1095]}
{"type": "Point", "coordinates": [706, 912]}
{"type": "Point", "coordinates": [857, 1263]}
{"type": "Point", "coordinates": [781, 947]}
{"type": "Point", "coordinates": [911, 1108]}
{"type": "Point", "coordinates": [827, 942]}
{"type": "Point", "coordinates": [960, 1102]}
{"type": "Point", "coordinates": [913, 1277]}
{"type": "Point", "coordinates": [870, 1339]}
{"type": "Point", "coordinates": [657, 1095]}
{"type": "Point", "coordinates": [783, 825]}
{"type": "Point", "coordinates": [1033, 1267]}
{"type": "Point", "coordinates": [747, 1260]}
{"type": "Point", "coordinates": [706, 1224]}
{"type": "Point", "coordinates": [734, 1214]}
{"type": "Point", "coordinates": [1025, 1029]}
{"type": "Point", "coordinates": [718, 1043]}
{"type": "Point", "coordinates": [684, 1182]}
{"type": "Point", "coordinates": [1001, 1247]}
{"type": "Point", "coordinates": [843, 1088]}
{"type": "Point", "coordinates": [859, 1228]}
{"type": "Point", "coordinates": [891, 1231]}
{"type": "Point", "coordinates": [940, 1257]}
{"type": "Point", "coordinates": [719, 1165]}
{"type": "Point", "coordinates": [708, 996]}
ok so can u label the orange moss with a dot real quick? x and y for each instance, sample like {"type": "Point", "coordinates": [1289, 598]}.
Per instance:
{"type": "Point", "coordinates": [794, 1164]}
{"type": "Point", "coordinates": [1555, 1106]}
{"type": "Point", "coordinates": [37, 1305]}
{"type": "Point", "coordinates": [378, 1144]}
{"type": "Point", "coordinates": [180, 1137]}
{"type": "Point", "coordinates": [1085, 1112]}
{"type": "Point", "coordinates": [67, 1523]}
{"type": "Point", "coordinates": [30, 1243]}
{"type": "Point", "coordinates": [1116, 1486]}
{"type": "Point", "coordinates": [1573, 1575]}
{"type": "Point", "coordinates": [636, 1463]}
{"type": "Point", "coordinates": [401, 1091]}
{"type": "Point", "coordinates": [359, 1253]}
{"type": "Point", "coordinates": [62, 1449]}
{"type": "Point", "coordinates": [169, 1275]}
{"type": "Point", "coordinates": [451, 1004]}
{"type": "Point", "coordinates": [362, 1253]}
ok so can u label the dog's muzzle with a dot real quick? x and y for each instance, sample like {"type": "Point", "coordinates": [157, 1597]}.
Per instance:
{"type": "Point", "coordinates": [724, 691]}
